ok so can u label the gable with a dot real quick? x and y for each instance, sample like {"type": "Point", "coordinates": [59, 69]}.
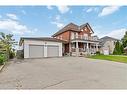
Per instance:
{"type": "Point", "coordinates": [86, 27]}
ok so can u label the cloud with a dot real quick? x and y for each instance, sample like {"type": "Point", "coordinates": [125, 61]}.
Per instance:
{"type": "Point", "coordinates": [89, 10]}
{"type": "Point", "coordinates": [108, 10]}
{"type": "Point", "coordinates": [0, 16]}
{"type": "Point", "coordinates": [58, 22]}
{"type": "Point", "coordinates": [12, 16]}
{"type": "Point", "coordinates": [50, 7]}
{"type": "Point", "coordinates": [24, 12]}
{"type": "Point", "coordinates": [119, 33]}
{"type": "Point", "coordinates": [63, 9]}
{"type": "Point", "coordinates": [58, 17]}
{"type": "Point", "coordinates": [14, 27]}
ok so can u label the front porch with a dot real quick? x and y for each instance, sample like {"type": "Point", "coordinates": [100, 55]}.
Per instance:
{"type": "Point", "coordinates": [78, 48]}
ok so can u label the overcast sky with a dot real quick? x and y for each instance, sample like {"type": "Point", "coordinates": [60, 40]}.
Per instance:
{"type": "Point", "coordinates": [39, 21]}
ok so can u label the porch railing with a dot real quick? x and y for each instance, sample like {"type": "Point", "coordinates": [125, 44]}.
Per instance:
{"type": "Point", "coordinates": [80, 50]}
{"type": "Point", "coordinates": [83, 50]}
{"type": "Point", "coordinates": [92, 38]}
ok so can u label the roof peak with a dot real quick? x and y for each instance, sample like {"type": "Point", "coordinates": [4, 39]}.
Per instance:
{"type": "Point", "coordinates": [72, 26]}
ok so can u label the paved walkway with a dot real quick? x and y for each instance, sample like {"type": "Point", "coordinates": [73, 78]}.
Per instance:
{"type": "Point", "coordinates": [64, 73]}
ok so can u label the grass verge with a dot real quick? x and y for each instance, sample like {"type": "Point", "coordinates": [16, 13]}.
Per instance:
{"type": "Point", "coordinates": [115, 58]}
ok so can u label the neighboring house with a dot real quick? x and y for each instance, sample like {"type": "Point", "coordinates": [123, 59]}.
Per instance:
{"type": "Point", "coordinates": [107, 44]}
{"type": "Point", "coordinates": [79, 39]}
{"type": "Point", "coordinates": [125, 49]}
{"type": "Point", "coordinates": [71, 40]}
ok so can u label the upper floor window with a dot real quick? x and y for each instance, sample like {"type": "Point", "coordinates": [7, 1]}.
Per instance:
{"type": "Point", "coordinates": [85, 29]}
{"type": "Point", "coordinates": [61, 37]}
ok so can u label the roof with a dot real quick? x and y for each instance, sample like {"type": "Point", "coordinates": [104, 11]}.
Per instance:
{"type": "Point", "coordinates": [72, 27]}
{"type": "Point", "coordinates": [41, 39]}
{"type": "Point", "coordinates": [107, 38]}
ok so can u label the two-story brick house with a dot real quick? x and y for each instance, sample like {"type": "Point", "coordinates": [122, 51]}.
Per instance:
{"type": "Point", "coordinates": [79, 39]}
{"type": "Point", "coordinates": [71, 40]}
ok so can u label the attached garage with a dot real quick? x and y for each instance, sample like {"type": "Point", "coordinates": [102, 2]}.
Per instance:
{"type": "Point", "coordinates": [36, 51]}
{"type": "Point", "coordinates": [41, 47]}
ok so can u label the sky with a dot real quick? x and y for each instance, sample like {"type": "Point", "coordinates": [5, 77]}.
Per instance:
{"type": "Point", "coordinates": [44, 21]}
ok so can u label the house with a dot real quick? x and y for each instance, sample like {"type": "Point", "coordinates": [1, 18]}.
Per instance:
{"type": "Point", "coordinates": [79, 39]}
{"type": "Point", "coordinates": [71, 40]}
{"type": "Point", "coordinates": [125, 50]}
{"type": "Point", "coordinates": [107, 45]}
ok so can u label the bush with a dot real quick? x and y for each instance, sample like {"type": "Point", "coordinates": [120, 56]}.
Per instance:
{"type": "Point", "coordinates": [11, 55]}
{"type": "Point", "coordinates": [98, 52]}
{"type": "Point", "coordinates": [2, 59]}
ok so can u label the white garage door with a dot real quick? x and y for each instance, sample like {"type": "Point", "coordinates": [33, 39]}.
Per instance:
{"type": "Point", "coordinates": [52, 51]}
{"type": "Point", "coordinates": [36, 51]}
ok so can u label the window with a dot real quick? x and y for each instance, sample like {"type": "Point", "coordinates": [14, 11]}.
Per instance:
{"type": "Point", "coordinates": [85, 29]}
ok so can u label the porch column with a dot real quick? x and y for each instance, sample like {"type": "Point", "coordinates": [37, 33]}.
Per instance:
{"type": "Point", "coordinates": [87, 47]}
{"type": "Point", "coordinates": [77, 49]}
{"type": "Point", "coordinates": [97, 47]}
{"type": "Point", "coordinates": [90, 48]}
{"type": "Point", "coordinates": [94, 49]}
{"type": "Point", "coordinates": [84, 47]}
{"type": "Point", "coordinates": [70, 48]}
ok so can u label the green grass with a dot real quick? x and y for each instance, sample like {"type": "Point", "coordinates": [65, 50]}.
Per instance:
{"type": "Point", "coordinates": [115, 58]}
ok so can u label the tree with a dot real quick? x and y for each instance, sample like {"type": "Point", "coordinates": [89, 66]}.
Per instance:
{"type": "Point", "coordinates": [118, 50]}
{"type": "Point", "coordinates": [124, 40]}
{"type": "Point", "coordinates": [7, 43]}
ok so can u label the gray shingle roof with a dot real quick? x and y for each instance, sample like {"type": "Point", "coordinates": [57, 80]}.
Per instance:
{"type": "Point", "coordinates": [106, 38]}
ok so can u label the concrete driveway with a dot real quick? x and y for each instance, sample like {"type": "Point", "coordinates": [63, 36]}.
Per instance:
{"type": "Point", "coordinates": [64, 73]}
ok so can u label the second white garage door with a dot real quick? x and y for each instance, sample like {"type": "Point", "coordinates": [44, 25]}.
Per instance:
{"type": "Point", "coordinates": [52, 51]}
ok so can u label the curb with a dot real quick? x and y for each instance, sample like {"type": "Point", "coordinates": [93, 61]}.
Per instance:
{"type": "Point", "coordinates": [1, 67]}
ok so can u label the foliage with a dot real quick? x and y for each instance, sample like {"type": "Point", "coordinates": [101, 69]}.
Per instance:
{"type": "Point", "coordinates": [118, 50]}
{"type": "Point", "coordinates": [12, 55]}
{"type": "Point", "coordinates": [116, 58]}
{"type": "Point", "coordinates": [98, 52]}
{"type": "Point", "coordinates": [6, 43]}
{"type": "Point", "coordinates": [124, 40]}
{"type": "Point", "coordinates": [2, 59]}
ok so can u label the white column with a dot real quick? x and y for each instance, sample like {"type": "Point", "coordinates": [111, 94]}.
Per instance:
{"type": "Point", "coordinates": [97, 47]}
{"type": "Point", "coordinates": [77, 49]}
{"type": "Point", "coordinates": [87, 47]}
{"type": "Point", "coordinates": [94, 49]}
{"type": "Point", "coordinates": [84, 47]}
{"type": "Point", "coordinates": [90, 48]}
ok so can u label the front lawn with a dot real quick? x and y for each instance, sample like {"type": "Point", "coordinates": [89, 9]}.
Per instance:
{"type": "Point", "coordinates": [111, 58]}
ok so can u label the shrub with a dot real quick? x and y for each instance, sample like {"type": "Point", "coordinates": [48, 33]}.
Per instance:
{"type": "Point", "coordinates": [2, 59]}
{"type": "Point", "coordinates": [98, 52]}
{"type": "Point", "coordinates": [11, 55]}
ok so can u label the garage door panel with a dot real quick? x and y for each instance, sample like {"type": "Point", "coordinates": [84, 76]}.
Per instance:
{"type": "Point", "coordinates": [52, 51]}
{"type": "Point", "coordinates": [36, 51]}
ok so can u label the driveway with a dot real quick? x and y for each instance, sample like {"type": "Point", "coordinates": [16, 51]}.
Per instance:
{"type": "Point", "coordinates": [64, 73]}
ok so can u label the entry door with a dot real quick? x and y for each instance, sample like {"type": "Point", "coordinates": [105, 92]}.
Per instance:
{"type": "Point", "coordinates": [36, 51]}
{"type": "Point", "coordinates": [52, 51]}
